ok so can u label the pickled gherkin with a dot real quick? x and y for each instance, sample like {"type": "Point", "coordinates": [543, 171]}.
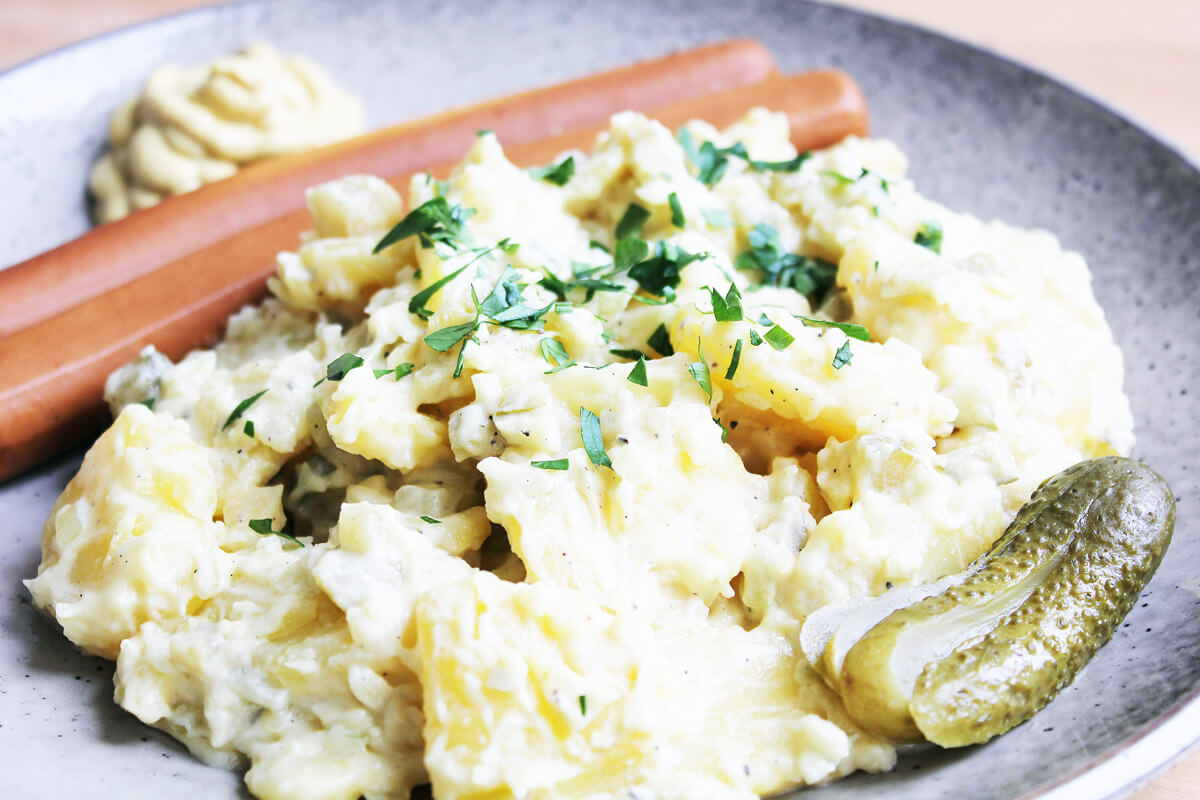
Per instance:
{"type": "Point", "coordinates": [970, 657]}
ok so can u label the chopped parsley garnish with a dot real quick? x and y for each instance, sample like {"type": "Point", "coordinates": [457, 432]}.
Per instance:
{"type": "Point", "coordinates": [677, 218]}
{"type": "Point", "coordinates": [148, 402]}
{"type": "Point", "coordinates": [660, 341]}
{"type": "Point", "coordinates": [764, 320]}
{"type": "Point", "coordinates": [340, 366]}
{"type": "Point", "coordinates": [810, 276]}
{"type": "Point", "coordinates": [712, 161]}
{"type": "Point", "coordinates": [417, 304]}
{"type": "Point", "coordinates": [930, 235]}
{"type": "Point", "coordinates": [555, 354]}
{"type": "Point", "coordinates": [729, 307]}
{"type": "Point", "coordinates": [403, 369]}
{"type": "Point", "coordinates": [717, 217]}
{"type": "Point", "coordinates": [431, 520]}
{"type": "Point", "coordinates": [583, 704]}
{"type": "Point", "coordinates": [593, 439]}
{"type": "Point", "coordinates": [755, 339]}
{"type": "Point", "coordinates": [598, 246]}
{"type": "Point", "coordinates": [263, 528]}
{"type": "Point", "coordinates": [445, 338]}
{"type": "Point", "coordinates": [843, 355]}
{"type": "Point", "coordinates": [240, 409]}
{"type": "Point", "coordinates": [699, 371]}
{"type": "Point", "coordinates": [632, 221]}
{"type": "Point", "coordinates": [724, 430]}
{"type": "Point", "coordinates": [632, 355]}
{"type": "Point", "coordinates": [558, 174]}
{"type": "Point", "coordinates": [582, 277]}
{"type": "Point", "coordinates": [434, 221]}
{"type": "Point", "coordinates": [733, 362]}
{"type": "Point", "coordinates": [638, 373]}
{"type": "Point", "coordinates": [556, 464]}
{"type": "Point", "coordinates": [659, 274]}
{"type": "Point", "coordinates": [779, 338]}
{"type": "Point", "coordinates": [248, 428]}
{"type": "Point", "coordinates": [845, 180]}
{"type": "Point", "coordinates": [629, 252]}
{"type": "Point", "coordinates": [848, 328]}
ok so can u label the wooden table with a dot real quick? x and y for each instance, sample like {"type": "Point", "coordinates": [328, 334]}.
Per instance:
{"type": "Point", "coordinates": [1143, 57]}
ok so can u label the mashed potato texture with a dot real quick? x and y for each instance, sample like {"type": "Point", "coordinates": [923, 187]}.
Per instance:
{"type": "Point", "coordinates": [530, 498]}
{"type": "Point", "coordinates": [197, 124]}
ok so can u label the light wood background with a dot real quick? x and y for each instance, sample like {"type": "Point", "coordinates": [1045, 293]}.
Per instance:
{"type": "Point", "coordinates": [1143, 56]}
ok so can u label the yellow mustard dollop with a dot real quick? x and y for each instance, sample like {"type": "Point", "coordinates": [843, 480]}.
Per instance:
{"type": "Point", "coordinates": [193, 125]}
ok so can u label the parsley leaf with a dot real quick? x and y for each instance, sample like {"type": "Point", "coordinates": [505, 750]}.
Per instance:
{"type": "Point", "coordinates": [240, 409]}
{"type": "Point", "coordinates": [434, 221]}
{"type": "Point", "coordinates": [638, 373]}
{"type": "Point", "coordinates": [660, 341]}
{"type": "Point", "coordinates": [632, 221]}
{"type": "Point", "coordinates": [632, 355]}
{"type": "Point", "coordinates": [248, 428]}
{"type": "Point", "coordinates": [699, 371]}
{"type": "Point", "coordinates": [659, 274]}
{"type": "Point", "coordinates": [676, 210]}
{"type": "Point", "coordinates": [403, 369]}
{"type": "Point", "coordinates": [779, 338]}
{"type": "Point", "coordinates": [755, 339]}
{"type": "Point", "coordinates": [445, 338]}
{"type": "Point", "coordinates": [149, 402]}
{"type": "Point", "coordinates": [593, 439]}
{"type": "Point", "coordinates": [263, 528]}
{"type": "Point", "coordinates": [791, 165]}
{"type": "Point", "coordinates": [583, 705]}
{"type": "Point", "coordinates": [629, 252]}
{"type": "Point", "coordinates": [556, 464]}
{"type": "Point", "coordinates": [555, 354]}
{"type": "Point", "coordinates": [337, 369]}
{"type": "Point", "coordinates": [733, 362]}
{"type": "Point", "coordinates": [431, 520]}
{"type": "Point", "coordinates": [724, 430]}
{"type": "Point", "coordinates": [712, 161]}
{"type": "Point", "coordinates": [808, 275]}
{"type": "Point", "coordinates": [930, 235]}
{"type": "Point", "coordinates": [843, 355]}
{"type": "Point", "coordinates": [558, 174]}
{"type": "Point", "coordinates": [417, 304]}
{"type": "Point", "coordinates": [848, 328]}
{"type": "Point", "coordinates": [729, 307]}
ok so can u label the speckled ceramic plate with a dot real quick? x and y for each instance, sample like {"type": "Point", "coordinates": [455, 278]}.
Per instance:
{"type": "Point", "coordinates": [984, 135]}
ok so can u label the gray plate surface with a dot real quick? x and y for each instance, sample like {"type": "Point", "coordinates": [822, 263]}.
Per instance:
{"type": "Point", "coordinates": [984, 135]}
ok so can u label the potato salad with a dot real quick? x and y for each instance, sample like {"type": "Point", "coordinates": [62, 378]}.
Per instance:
{"type": "Point", "coordinates": [526, 487]}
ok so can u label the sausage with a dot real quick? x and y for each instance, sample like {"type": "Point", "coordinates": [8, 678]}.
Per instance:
{"type": "Point", "coordinates": [56, 369]}
{"type": "Point", "coordinates": [121, 251]}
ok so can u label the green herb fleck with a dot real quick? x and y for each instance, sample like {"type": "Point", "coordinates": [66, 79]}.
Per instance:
{"type": "Point", "coordinates": [583, 705]}
{"type": "Point", "coordinates": [558, 174]}
{"type": "Point", "coordinates": [848, 328]}
{"type": "Point", "coordinates": [445, 338]}
{"type": "Point", "coordinates": [659, 274]}
{"type": "Point", "coordinates": [733, 362]}
{"type": "Point", "coordinates": [557, 464]}
{"type": "Point", "coordinates": [843, 355]}
{"type": "Point", "coordinates": [930, 235]}
{"type": "Point", "coordinates": [755, 339]}
{"type": "Point", "coordinates": [699, 371]}
{"type": "Point", "coordinates": [593, 439]}
{"type": "Point", "coordinates": [431, 520]}
{"type": "Point", "coordinates": [598, 246]}
{"type": "Point", "coordinates": [149, 402]}
{"type": "Point", "coordinates": [401, 370]}
{"type": "Point", "coordinates": [555, 354]}
{"type": "Point", "coordinates": [632, 355]}
{"type": "Point", "coordinates": [812, 277]}
{"type": "Point", "coordinates": [724, 430]}
{"type": "Point", "coordinates": [263, 528]}
{"type": "Point", "coordinates": [340, 366]}
{"type": "Point", "coordinates": [660, 341]}
{"type": "Point", "coordinates": [638, 373]}
{"type": "Point", "coordinates": [729, 307]}
{"type": "Point", "coordinates": [779, 338]}
{"type": "Point", "coordinates": [240, 409]}
{"type": "Point", "coordinates": [676, 210]}
{"type": "Point", "coordinates": [434, 221]}
{"type": "Point", "coordinates": [248, 428]}
{"type": "Point", "coordinates": [632, 221]}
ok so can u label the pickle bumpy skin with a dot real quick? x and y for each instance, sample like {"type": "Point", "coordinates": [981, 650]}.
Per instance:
{"type": "Point", "coordinates": [973, 660]}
